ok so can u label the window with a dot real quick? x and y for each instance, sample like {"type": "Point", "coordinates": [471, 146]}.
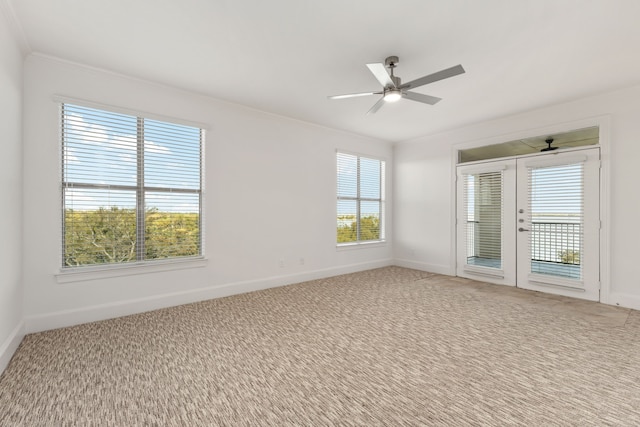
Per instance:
{"type": "Point", "coordinates": [360, 204]}
{"type": "Point", "coordinates": [131, 188]}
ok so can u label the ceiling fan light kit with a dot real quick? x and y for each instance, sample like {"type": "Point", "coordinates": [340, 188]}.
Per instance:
{"type": "Point", "coordinates": [393, 89]}
{"type": "Point", "coordinates": [392, 95]}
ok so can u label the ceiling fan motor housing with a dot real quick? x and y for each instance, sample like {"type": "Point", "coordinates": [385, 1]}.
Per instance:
{"type": "Point", "coordinates": [391, 61]}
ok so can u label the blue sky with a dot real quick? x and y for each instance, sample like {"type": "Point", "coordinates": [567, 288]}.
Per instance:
{"type": "Point", "coordinates": [347, 184]}
{"type": "Point", "coordinates": [101, 149]}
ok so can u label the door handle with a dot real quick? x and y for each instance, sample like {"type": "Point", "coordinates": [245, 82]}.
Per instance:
{"type": "Point", "coordinates": [522, 229]}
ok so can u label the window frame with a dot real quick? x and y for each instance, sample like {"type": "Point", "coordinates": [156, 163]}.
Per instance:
{"type": "Point", "coordinates": [139, 265]}
{"type": "Point", "coordinates": [358, 199]}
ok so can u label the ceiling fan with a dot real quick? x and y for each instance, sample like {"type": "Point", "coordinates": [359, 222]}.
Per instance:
{"type": "Point", "coordinates": [393, 89]}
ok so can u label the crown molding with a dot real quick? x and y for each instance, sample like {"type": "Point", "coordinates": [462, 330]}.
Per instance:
{"type": "Point", "coordinates": [15, 27]}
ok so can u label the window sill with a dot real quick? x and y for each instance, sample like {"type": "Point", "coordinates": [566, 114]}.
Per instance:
{"type": "Point", "coordinates": [80, 274]}
{"type": "Point", "coordinates": [361, 245]}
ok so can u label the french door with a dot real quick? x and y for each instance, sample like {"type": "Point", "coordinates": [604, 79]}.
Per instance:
{"type": "Point", "coordinates": [532, 222]}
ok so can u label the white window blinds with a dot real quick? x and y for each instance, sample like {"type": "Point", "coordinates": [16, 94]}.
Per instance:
{"type": "Point", "coordinates": [556, 219]}
{"type": "Point", "coordinates": [360, 205]}
{"type": "Point", "coordinates": [131, 188]}
{"type": "Point", "coordinates": [483, 204]}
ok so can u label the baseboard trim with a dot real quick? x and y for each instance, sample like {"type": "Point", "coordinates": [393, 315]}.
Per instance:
{"type": "Point", "coordinates": [432, 268]}
{"type": "Point", "coordinates": [623, 300]}
{"type": "Point", "coordinates": [65, 318]}
{"type": "Point", "coordinates": [10, 345]}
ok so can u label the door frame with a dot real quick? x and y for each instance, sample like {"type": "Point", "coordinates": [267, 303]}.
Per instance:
{"type": "Point", "coordinates": [604, 125]}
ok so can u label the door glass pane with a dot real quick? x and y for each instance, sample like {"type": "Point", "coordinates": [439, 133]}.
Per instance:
{"type": "Point", "coordinates": [483, 206]}
{"type": "Point", "coordinates": [556, 206]}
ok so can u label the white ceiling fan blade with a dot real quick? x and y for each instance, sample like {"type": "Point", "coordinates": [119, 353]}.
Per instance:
{"type": "Point", "coordinates": [376, 106]}
{"type": "Point", "coordinates": [419, 97]}
{"type": "Point", "coordinates": [440, 75]}
{"type": "Point", "coordinates": [353, 95]}
{"type": "Point", "coordinates": [381, 74]}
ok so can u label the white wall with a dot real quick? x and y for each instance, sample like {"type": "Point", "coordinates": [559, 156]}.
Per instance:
{"type": "Point", "coordinates": [422, 210]}
{"type": "Point", "coordinates": [11, 295]}
{"type": "Point", "coordinates": [424, 192]}
{"type": "Point", "coordinates": [270, 195]}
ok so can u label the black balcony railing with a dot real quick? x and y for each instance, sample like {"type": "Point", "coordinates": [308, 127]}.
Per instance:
{"type": "Point", "coordinates": [556, 242]}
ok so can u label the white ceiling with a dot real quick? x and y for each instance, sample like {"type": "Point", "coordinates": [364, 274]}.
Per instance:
{"type": "Point", "coordinates": [287, 56]}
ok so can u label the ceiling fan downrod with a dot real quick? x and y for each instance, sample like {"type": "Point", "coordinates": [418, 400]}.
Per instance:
{"type": "Point", "coordinates": [392, 62]}
{"type": "Point", "coordinates": [549, 147]}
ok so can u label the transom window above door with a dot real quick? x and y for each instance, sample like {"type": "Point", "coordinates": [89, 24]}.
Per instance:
{"type": "Point", "coordinates": [525, 146]}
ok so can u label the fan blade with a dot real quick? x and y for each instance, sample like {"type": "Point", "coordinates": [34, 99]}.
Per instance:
{"type": "Point", "coordinates": [440, 75]}
{"type": "Point", "coordinates": [381, 74]}
{"type": "Point", "coordinates": [376, 106]}
{"type": "Point", "coordinates": [353, 95]}
{"type": "Point", "coordinates": [426, 99]}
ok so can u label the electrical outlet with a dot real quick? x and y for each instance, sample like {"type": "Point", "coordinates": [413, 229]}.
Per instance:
{"type": "Point", "coordinates": [301, 261]}
{"type": "Point", "coordinates": [281, 263]}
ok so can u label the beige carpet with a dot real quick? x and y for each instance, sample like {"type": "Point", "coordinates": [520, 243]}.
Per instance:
{"type": "Point", "coordinates": [392, 347]}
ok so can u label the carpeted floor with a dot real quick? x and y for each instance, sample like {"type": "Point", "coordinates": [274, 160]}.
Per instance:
{"type": "Point", "coordinates": [392, 347]}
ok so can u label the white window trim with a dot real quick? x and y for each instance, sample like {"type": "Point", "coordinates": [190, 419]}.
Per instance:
{"type": "Point", "coordinates": [81, 274]}
{"type": "Point", "coordinates": [105, 271]}
{"type": "Point", "coordinates": [368, 244]}
{"type": "Point", "coordinates": [61, 99]}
